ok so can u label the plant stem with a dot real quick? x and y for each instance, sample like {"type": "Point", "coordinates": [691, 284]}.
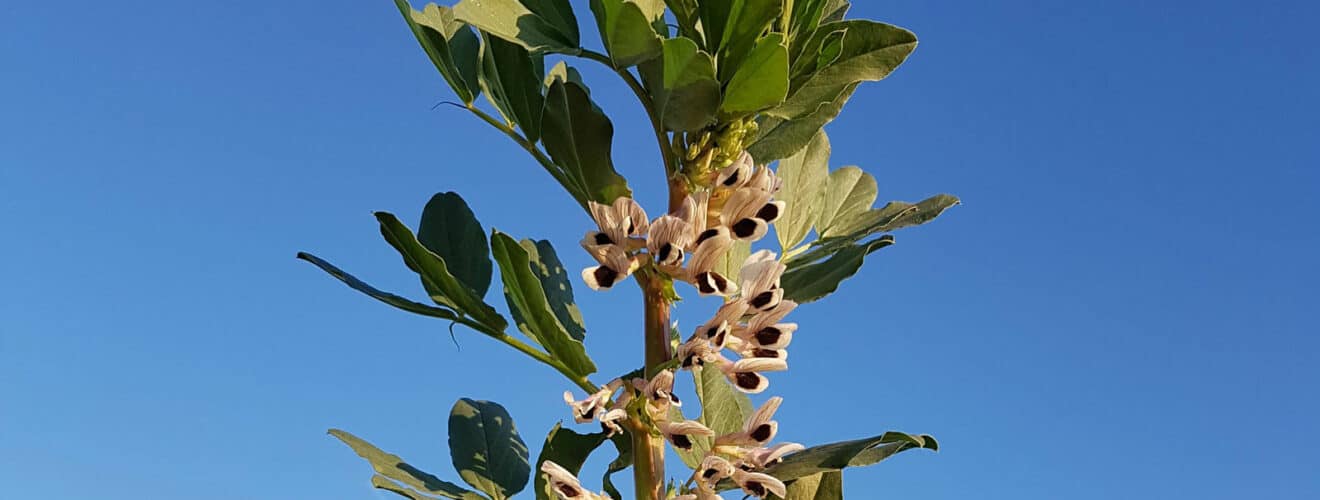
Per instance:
{"type": "Point", "coordinates": [649, 450]}
{"type": "Point", "coordinates": [661, 139]}
{"type": "Point", "coordinates": [535, 353]}
{"type": "Point", "coordinates": [546, 162]}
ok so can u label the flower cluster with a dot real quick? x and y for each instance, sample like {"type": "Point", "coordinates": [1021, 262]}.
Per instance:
{"type": "Point", "coordinates": [687, 245]}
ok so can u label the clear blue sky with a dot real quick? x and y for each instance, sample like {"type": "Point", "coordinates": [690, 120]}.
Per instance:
{"type": "Point", "coordinates": [1123, 308]}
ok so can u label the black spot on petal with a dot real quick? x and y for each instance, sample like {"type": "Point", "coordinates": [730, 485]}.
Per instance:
{"type": "Point", "coordinates": [768, 213]}
{"type": "Point", "coordinates": [681, 442]}
{"type": "Point", "coordinates": [761, 300]}
{"type": "Point", "coordinates": [761, 433]}
{"type": "Point", "coordinates": [755, 488]}
{"type": "Point", "coordinates": [603, 239]}
{"type": "Point", "coordinates": [605, 276]}
{"type": "Point", "coordinates": [733, 178]}
{"type": "Point", "coordinates": [768, 335]}
{"type": "Point", "coordinates": [665, 251]}
{"type": "Point", "coordinates": [765, 353]}
{"type": "Point", "coordinates": [744, 228]}
{"type": "Point", "coordinates": [707, 234]}
{"type": "Point", "coordinates": [569, 491]}
{"type": "Point", "coordinates": [709, 473]}
{"type": "Point", "coordinates": [747, 380]}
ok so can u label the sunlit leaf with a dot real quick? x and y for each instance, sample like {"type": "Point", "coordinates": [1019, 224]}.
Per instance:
{"type": "Point", "coordinates": [780, 138]}
{"type": "Point", "coordinates": [511, 20]}
{"type": "Point", "coordinates": [523, 289]}
{"type": "Point", "coordinates": [450, 45]}
{"type": "Point", "coordinates": [813, 280]}
{"type": "Point", "coordinates": [823, 486]}
{"type": "Point", "coordinates": [512, 79]}
{"type": "Point", "coordinates": [395, 469]}
{"type": "Point", "coordinates": [683, 85]}
{"type": "Point", "coordinates": [868, 51]}
{"type": "Point", "coordinates": [386, 297]}
{"type": "Point", "coordinates": [443, 287]}
{"type": "Point", "coordinates": [578, 136]}
{"type": "Point", "coordinates": [486, 449]}
{"type": "Point", "coordinates": [850, 192]}
{"type": "Point", "coordinates": [569, 450]}
{"type": "Point", "coordinates": [805, 175]}
{"type": "Point", "coordinates": [557, 284]}
{"type": "Point", "coordinates": [761, 81]}
{"type": "Point", "coordinates": [626, 27]}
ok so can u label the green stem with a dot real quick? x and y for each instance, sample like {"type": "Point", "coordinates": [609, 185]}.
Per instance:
{"type": "Point", "coordinates": [535, 353]}
{"type": "Point", "coordinates": [545, 161]}
{"type": "Point", "coordinates": [662, 140]}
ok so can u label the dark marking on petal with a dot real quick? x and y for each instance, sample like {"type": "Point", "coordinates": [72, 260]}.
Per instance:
{"type": "Point", "coordinates": [705, 283]}
{"type": "Point", "coordinates": [765, 353]}
{"type": "Point", "coordinates": [719, 338]}
{"type": "Point", "coordinates": [719, 282]}
{"type": "Point", "coordinates": [604, 276]}
{"type": "Point", "coordinates": [569, 491]}
{"type": "Point", "coordinates": [747, 380]}
{"type": "Point", "coordinates": [603, 239]}
{"type": "Point", "coordinates": [665, 251]}
{"type": "Point", "coordinates": [761, 433]}
{"type": "Point", "coordinates": [756, 489]}
{"type": "Point", "coordinates": [768, 335]}
{"type": "Point", "coordinates": [768, 213]}
{"type": "Point", "coordinates": [707, 234]}
{"type": "Point", "coordinates": [709, 473]}
{"type": "Point", "coordinates": [681, 442]}
{"type": "Point", "coordinates": [761, 300]}
{"type": "Point", "coordinates": [744, 228]}
{"type": "Point", "coordinates": [733, 179]}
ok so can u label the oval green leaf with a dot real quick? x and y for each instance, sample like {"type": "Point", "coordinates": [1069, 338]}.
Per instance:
{"type": "Point", "coordinates": [486, 449]}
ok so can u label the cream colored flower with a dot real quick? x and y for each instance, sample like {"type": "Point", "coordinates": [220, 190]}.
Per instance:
{"type": "Point", "coordinates": [680, 434]}
{"type": "Point", "coordinates": [668, 238]}
{"type": "Point", "coordinates": [758, 484]}
{"type": "Point", "coordinates": [759, 429]}
{"type": "Point", "coordinates": [565, 485]}
{"type": "Point", "coordinates": [745, 374]}
{"type": "Point", "coordinates": [759, 278]}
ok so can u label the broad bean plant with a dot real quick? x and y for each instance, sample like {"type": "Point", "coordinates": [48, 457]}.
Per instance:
{"type": "Point", "coordinates": [737, 93]}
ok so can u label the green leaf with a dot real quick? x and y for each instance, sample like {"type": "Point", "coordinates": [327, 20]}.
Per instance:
{"type": "Point", "coordinates": [562, 71]}
{"type": "Point", "coordinates": [557, 285]}
{"type": "Point", "coordinates": [869, 51]}
{"type": "Point", "coordinates": [731, 262]}
{"type": "Point", "coordinates": [856, 453]}
{"type": "Point", "coordinates": [850, 192]}
{"type": "Point", "coordinates": [837, 456]}
{"type": "Point", "coordinates": [780, 138]}
{"type": "Point", "coordinates": [538, 32]}
{"type": "Point", "coordinates": [747, 20]}
{"type": "Point", "coordinates": [486, 449]}
{"type": "Point", "coordinates": [622, 443]}
{"type": "Point", "coordinates": [451, 46]}
{"type": "Point", "coordinates": [714, 15]}
{"type": "Point", "coordinates": [805, 175]}
{"type": "Point", "coordinates": [531, 309]}
{"type": "Point", "coordinates": [823, 486]}
{"type": "Point", "coordinates": [394, 469]}
{"type": "Point", "coordinates": [370, 291]}
{"type": "Point", "coordinates": [510, 77]}
{"type": "Point", "coordinates": [451, 231]}
{"type": "Point", "coordinates": [569, 450]}
{"type": "Point", "coordinates": [835, 10]}
{"type": "Point", "coordinates": [443, 287]}
{"type": "Point", "coordinates": [687, 94]}
{"type": "Point", "coordinates": [627, 29]}
{"type": "Point", "coordinates": [761, 81]}
{"type": "Point", "coordinates": [578, 136]}
{"type": "Point", "coordinates": [893, 216]}
{"type": "Point", "coordinates": [723, 410]}
{"type": "Point", "coordinates": [814, 280]}
{"type": "Point", "coordinates": [559, 14]}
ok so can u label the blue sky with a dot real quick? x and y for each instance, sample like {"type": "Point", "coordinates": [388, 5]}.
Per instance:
{"type": "Point", "coordinates": [1118, 310]}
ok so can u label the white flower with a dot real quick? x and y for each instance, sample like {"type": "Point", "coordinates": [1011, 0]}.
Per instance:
{"type": "Point", "coordinates": [736, 174]}
{"type": "Point", "coordinates": [749, 212]}
{"type": "Point", "coordinates": [659, 390]}
{"type": "Point", "coordinates": [713, 468]}
{"type": "Point", "coordinates": [758, 484]}
{"type": "Point", "coordinates": [759, 428]}
{"type": "Point", "coordinates": [680, 434]}
{"type": "Point", "coordinates": [719, 327]}
{"type": "Point", "coordinates": [761, 458]}
{"type": "Point", "coordinates": [669, 237]}
{"type": "Point", "coordinates": [609, 421]}
{"type": "Point", "coordinates": [693, 212]}
{"type": "Point", "coordinates": [711, 246]}
{"type": "Point", "coordinates": [745, 374]}
{"type": "Point", "coordinates": [759, 278]}
{"type": "Point", "coordinates": [615, 266]}
{"type": "Point", "coordinates": [565, 485]}
{"type": "Point", "coordinates": [589, 408]}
